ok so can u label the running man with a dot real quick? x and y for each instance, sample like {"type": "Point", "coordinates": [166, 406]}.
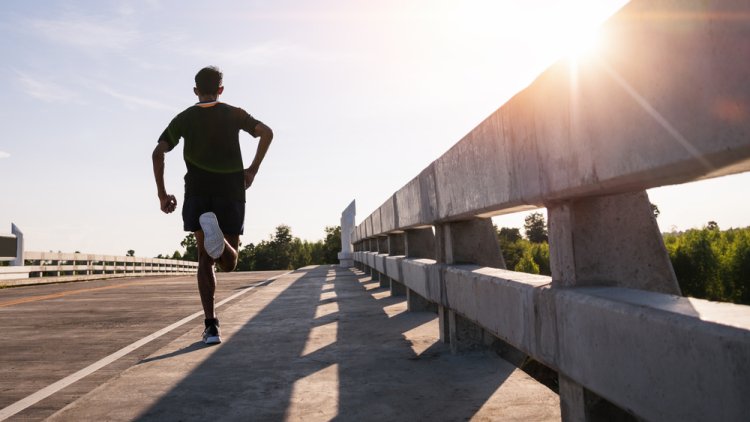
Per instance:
{"type": "Point", "coordinates": [215, 182]}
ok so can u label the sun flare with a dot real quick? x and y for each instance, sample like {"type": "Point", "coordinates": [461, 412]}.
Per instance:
{"type": "Point", "coordinates": [573, 31]}
{"type": "Point", "coordinates": [580, 42]}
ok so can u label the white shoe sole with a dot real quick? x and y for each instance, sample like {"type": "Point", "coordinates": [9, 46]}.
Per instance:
{"type": "Point", "coordinates": [212, 340]}
{"type": "Point", "coordinates": [213, 238]}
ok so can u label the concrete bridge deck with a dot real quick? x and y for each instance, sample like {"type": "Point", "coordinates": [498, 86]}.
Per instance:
{"type": "Point", "coordinates": [319, 343]}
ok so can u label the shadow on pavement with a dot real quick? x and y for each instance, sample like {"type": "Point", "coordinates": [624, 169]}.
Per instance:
{"type": "Point", "coordinates": [192, 348]}
{"type": "Point", "coordinates": [326, 348]}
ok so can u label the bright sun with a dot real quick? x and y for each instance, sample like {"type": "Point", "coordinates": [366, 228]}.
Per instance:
{"type": "Point", "coordinates": [549, 29]}
{"type": "Point", "coordinates": [579, 42]}
{"type": "Point", "coordinates": [573, 30]}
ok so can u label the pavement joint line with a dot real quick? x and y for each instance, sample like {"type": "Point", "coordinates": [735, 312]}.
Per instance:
{"type": "Point", "coordinates": [53, 388]}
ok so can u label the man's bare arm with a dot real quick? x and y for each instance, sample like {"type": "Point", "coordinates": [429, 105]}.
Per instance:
{"type": "Point", "coordinates": [266, 136]}
{"type": "Point", "coordinates": [168, 203]}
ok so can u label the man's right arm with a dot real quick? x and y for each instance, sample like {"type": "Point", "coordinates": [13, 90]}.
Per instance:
{"type": "Point", "coordinates": [168, 203]}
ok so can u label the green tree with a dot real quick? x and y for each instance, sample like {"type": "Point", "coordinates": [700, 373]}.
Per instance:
{"type": "Point", "coordinates": [276, 253]}
{"type": "Point", "coordinates": [191, 248]}
{"type": "Point", "coordinates": [527, 264]}
{"type": "Point", "coordinates": [540, 255]}
{"type": "Point", "coordinates": [300, 253]}
{"type": "Point", "coordinates": [738, 266]}
{"type": "Point", "coordinates": [696, 264]}
{"type": "Point", "coordinates": [508, 235]}
{"type": "Point", "coordinates": [535, 227]}
{"type": "Point", "coordinates": [246, 258]}
{"type": "Point", "coordinates": [512, 246]}
{"type": "Point", "coordinates": [331, 245]}
{"type": "Point", "coordinates": [262, 257]}
{"type": "Point", "coordinates": [282, 250]}
{"type": "Point", "coordinates": [522, 255]}
{"type": "Point", "coordinates": [130, 253]}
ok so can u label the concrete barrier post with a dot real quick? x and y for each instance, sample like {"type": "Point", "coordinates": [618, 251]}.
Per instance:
{"type": "Point", "coordinates": [419, 243]}
{"type": "Point", "coordinates": [347, 229]}
{"type": "Point", "coordinates": [465, 242]}
{"type": "Point", "coordinates": [572, 400]}
{"type": "Point", "coordinates": [470, 242]}
{"type": "Point", "coordinates": [609, 241]}
{"type": "Point", "coordinates": [416, 303]}
{"type": "Point", "coordinates": [382, 249]}
{"type": "Point", "coordinates": [605, 241]}
{"type": "Point", "coordinates": [19, 246]}
{"type": "Point", "coordinates": [396, 248]}
{"type": "Point", "coordinates": [371, 245]}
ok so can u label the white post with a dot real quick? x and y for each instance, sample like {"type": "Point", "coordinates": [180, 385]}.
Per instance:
{"type": "Point", "coordinates": [19, 246]}
{"type": "Point", "coordinates": [347, 228]}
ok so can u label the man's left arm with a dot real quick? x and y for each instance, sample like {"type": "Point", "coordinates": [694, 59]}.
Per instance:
{"type": "Point", "coordinates": [266, 136]}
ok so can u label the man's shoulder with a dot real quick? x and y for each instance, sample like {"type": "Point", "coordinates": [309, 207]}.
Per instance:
{"type": "Point", "coordinates": [237, 112]}
{"type": "Point", "coordinates": [231, 108]}
{"type": "Point", "coordinates": [186, 111]}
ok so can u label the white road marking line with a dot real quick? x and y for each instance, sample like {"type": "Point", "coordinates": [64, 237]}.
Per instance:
{"type": "Point", "coordinates": [53, 388]}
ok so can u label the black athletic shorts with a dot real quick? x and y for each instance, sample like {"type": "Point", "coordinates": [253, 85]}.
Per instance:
{"type": "Point", "coordinates": [230, 213]}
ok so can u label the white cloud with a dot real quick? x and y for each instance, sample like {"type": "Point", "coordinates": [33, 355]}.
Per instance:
{"type": "Point", "coordinates": [45, 90]}
{"type": "Point", "coordinates": [86, 32]}
{"type": "Point", "coordinates": [4, 154]}
{"type": "Point", "coordinates": [134, 101]}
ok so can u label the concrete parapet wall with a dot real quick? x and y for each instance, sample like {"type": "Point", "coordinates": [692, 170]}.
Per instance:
{"type": "Point", "coordinates": [646, 352]}
{"type": "Point", "coordinates": [380, 263]}
{"type": "Point", "coordinates": [663, 357]}
{"type": "Point", "coordinates": [424, 277]}
{"type": "Point", "coordinates": [417, 201]}
{"type": "Point", "coordinates": [388, 215]}
{"type": "Point", "coordinates": [393, 267]}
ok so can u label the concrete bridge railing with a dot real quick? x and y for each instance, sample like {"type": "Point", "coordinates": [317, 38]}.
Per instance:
{"type": "Point", "coordinates": [668, 102]}
{"type": "Point", "coordinates": [50, 267]}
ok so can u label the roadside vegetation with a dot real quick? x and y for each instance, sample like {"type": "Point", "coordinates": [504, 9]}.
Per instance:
{"type": "Point", "coordinates": [709, 263]}
{"type": "Point", "coordinates": [281, 251]}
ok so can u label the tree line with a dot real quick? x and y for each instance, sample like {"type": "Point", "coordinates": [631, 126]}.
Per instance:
{"type": "Point", "coordinates": [709, 263]}
{"type": "Point", "coordinates": [281, 251]}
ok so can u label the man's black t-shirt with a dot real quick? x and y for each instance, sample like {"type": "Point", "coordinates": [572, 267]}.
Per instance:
{"type": "Point", "coordinates": [212, 148]}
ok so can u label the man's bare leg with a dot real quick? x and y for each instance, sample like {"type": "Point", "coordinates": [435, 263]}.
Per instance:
{"type": "Point", "coordinates": [228, 259]}
{"type": "Point", "coordinates": [206, 274]}
{"type": "Point", "coordinates": [206, 278]}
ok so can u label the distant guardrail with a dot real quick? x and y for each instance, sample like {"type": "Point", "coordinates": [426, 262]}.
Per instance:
{"type": "Point", "coordinates": [53, 267]}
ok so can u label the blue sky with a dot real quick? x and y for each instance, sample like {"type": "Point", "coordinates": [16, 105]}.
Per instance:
{"type": "Point", "coordinates": [361, 95]}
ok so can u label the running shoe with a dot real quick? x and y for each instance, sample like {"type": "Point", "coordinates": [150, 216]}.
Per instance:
{"type": "Point", "coordinates": [212, 335]}
{"type": "Point", "coordinates": [213, 238]}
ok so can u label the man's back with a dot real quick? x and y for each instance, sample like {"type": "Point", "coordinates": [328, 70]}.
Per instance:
{"type": "Point", "coordinates": [212, 150]}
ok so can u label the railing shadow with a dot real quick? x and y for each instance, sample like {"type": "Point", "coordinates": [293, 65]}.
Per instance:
{"type": "Point", "coordinates": [324, 349]}
{"type": "Point", "coordinates": [410, 375]}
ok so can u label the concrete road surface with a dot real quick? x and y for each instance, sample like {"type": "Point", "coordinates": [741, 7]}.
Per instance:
{"type": "Point", "coordinates": [321, 343]}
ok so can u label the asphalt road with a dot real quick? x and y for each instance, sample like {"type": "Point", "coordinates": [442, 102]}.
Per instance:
{"type": "Point", "coordinates": [51, 331]}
